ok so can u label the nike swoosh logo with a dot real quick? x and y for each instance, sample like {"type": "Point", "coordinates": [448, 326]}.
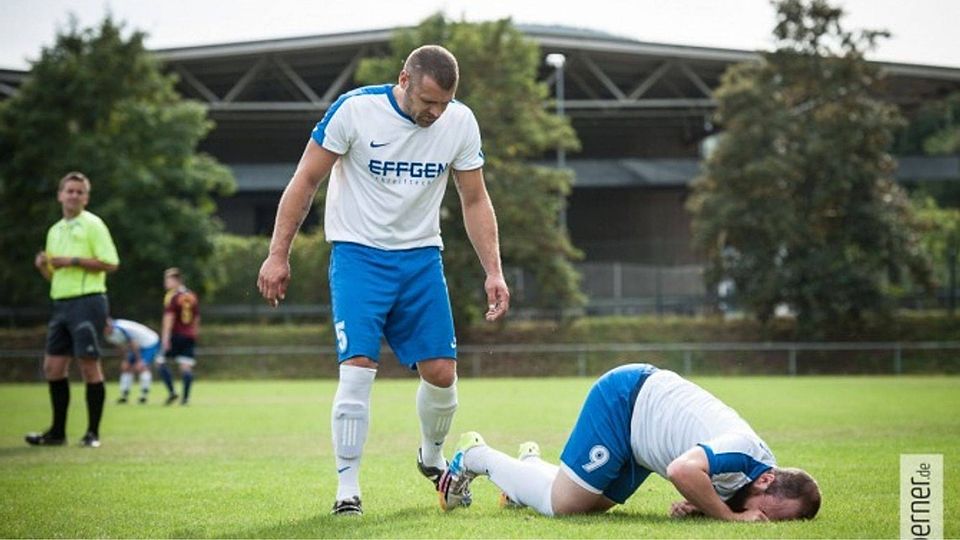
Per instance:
{"type": "Point", "coordinates": [343, 469]}
{"type": "Point", "coordinates": [377, 145]}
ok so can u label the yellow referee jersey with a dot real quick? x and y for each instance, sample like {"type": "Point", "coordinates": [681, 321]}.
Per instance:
{"type": "Point", "coordinates": [85, 236]}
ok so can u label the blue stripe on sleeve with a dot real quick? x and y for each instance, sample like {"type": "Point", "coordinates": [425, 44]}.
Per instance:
{"type": "Point", "coordinates": [320, 131]}
{"type": "Point", "coordinates": [730, 462]}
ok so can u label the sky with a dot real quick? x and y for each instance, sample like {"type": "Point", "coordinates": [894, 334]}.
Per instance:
{"type": "Point", "coordinates": [924, 31]}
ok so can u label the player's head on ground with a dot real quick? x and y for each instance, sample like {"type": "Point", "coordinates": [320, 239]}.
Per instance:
{"type": "Point", "coordinates": [781, 494]}
{"type": "Point", "coordinates": [172, 278]}
{"type": "Point", "coordinates": [73, 193]}
{"type": "Point", "coordinates": [429, 83]}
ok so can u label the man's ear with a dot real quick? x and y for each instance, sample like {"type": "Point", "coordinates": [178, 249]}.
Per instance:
{"type": "Point", "coordinates": [763, 481]}
{"type": "Point", "coordinates": [403, 79]}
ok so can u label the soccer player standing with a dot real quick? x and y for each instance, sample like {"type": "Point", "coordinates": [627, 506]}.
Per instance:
{"type": "Point", "coordinates": [78, 254]}
{"type": "Point", "coordinates": [389, 150]}
{"type": "Point", "coordinates": [181, 324]}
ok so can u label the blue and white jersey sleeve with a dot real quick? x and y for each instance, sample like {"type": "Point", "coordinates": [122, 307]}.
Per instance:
{"type": "Point", "coordinates": [334, 131]}
{"type": "Point", "coordinates": [470, 156]}
{"type": "Point", "coordinates": [735, 460]}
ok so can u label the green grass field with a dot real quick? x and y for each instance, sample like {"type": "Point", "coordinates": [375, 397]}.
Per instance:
{"type": "Point", "coordinates": [253, 459]}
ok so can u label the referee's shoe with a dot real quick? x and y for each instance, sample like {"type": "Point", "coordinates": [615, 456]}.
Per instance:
{"type": "Point", "coordinates": [44, 439]}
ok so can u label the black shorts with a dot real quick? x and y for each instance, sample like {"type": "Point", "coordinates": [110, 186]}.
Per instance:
{"type": "Point", "coordinates": [76, 326]}
{"type": "Point", "coordinates": [181, 349]}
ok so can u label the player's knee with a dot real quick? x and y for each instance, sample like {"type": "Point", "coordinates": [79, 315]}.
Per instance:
{"type": "Point", "coordinates": [350, 419]}
{"type": "Point", "coordinates": [441, 372]}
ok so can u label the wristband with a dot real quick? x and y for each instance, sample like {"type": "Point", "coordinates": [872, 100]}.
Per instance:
{"type": "Point", "coordinates": [75, 261]}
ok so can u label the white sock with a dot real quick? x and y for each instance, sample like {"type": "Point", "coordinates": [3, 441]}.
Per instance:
{"type": "Point", "coordinates": [350, 420]}
{"type": "Point", "coordinates": [546, 467]}
{"type": "Point", "coordinates": [435, 407]}
{"type": "Point", "coordinates": [528, 482]}
{"type": "Point", "coordinates": [146, 377]}
{"type": "Point", "coordinates": [126, 381]}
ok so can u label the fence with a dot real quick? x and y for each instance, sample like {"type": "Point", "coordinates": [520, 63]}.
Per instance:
{"type": "Point", "coordinates": [577, 359]}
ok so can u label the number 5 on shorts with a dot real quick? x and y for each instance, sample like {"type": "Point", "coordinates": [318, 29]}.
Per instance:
{"type": "Point", "coordinates": [341, 335]}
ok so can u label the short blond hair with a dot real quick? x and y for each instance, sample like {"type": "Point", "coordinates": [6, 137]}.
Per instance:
{"type": "Point", "coordinates": [74, 176]}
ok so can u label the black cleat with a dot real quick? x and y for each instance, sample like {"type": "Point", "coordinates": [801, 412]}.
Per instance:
{"type": "Point", "coordinates": [121, 400]}
{"type": "Point", "coordinates": [432, 474]}
{"type": "Point", "coordinates": [142, 400]}
{"type": "Point", "coordinates": [44, 439]}
{"type": "Point", "coordinates": [90, 440]}
{"type": "Point", "coordinates": [171, 399]}
{"type": "Point", "coordinates": [348, 507]}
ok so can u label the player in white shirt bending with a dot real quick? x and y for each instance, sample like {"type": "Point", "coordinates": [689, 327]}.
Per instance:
{"type": "Point", "coordinates": [638, 419]}
{"type": "Point", "coordinates": [138, 345]}
{"type": "Point", "coordinates": [389, 151]}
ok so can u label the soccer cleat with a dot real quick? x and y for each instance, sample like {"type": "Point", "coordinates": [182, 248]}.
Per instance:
{"type": "Point", "coordinates": [44, 439]}
{"type": "Point", "coordinates": [142, 400]}
{"type": "Point", "coordinates": [171, 399]}
{"type": "Point", "coordinates": [454, 485]}
{"type": "Point", "coordinates": [527, 450]}
{"type": "Point", "coordinates": [348, 507]}
{"type": "Point", "coordinates": [432, 474]}
{"type": "Point", "coordinates": [184, 401]}
{"type": "Point", "coordinates": [121, 400]}
{"type": "Point", "coordinates": [90, 440]}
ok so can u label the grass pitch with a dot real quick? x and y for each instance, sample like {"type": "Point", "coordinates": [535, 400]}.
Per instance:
{"type": "Point", "coordinates": [253, 459]}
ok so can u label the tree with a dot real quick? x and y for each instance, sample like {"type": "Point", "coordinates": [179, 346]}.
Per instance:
{"type": "Point", "coordinates": [942, 241]}
{"type": "Point", "coordinates": [97, 102]}
{"type": "Point", "coordinates": [797, 204]}
{"type": "Point", "coordinates": [935, 130]}
{"type": "Point", "coordinates": [498, 82]}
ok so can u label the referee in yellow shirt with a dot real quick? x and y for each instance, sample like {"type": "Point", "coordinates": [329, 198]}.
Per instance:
{"type": "Point", "coordinates": [78, 255]}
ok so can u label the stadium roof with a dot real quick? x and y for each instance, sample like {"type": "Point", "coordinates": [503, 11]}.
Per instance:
{"type": "Point", "coordinates": [605, 74]}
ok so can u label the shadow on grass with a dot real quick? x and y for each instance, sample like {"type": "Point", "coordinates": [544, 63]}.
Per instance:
{"type": "Point", "coordinates": [14, 451]}
{"type": "Point", "coordinates": [390, 525]}
{"type": "Point", "coordinates": [328, 526]}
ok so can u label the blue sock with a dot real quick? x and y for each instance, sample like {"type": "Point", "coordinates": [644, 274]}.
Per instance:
{"type": "Point", "coordinates": [167, 378]}
{"type": "Point", "coordinates": [187, 381]}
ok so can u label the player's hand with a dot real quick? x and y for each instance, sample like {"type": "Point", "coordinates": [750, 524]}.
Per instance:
{"type": "Point", "coordinates": [40, 261]}
{"type": "Point", "coordinates": [750, 515]}
{"type": "Point", "coordinates": [681, 509]}
{"type": "Point", "coordinates": [498, 297]}
{"type": "Point", "coordinates": [273, 279]}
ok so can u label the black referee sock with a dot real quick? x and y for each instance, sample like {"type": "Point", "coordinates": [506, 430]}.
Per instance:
{"type": "Point", "coordinates": [59, 400]}
{"type": "Point", "coordinates": [96, 395]}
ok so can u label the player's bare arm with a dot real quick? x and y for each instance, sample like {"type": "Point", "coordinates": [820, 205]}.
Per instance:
{"type": "Point", "coordinates": [314, 166]}
{"type": "Point", "coordinates": [43, 265]}
{"type": "Point", "coordinates": [87, 263]}
{"type": "Point", "coordinates": [481, 224]}
{"type": "Point", "coordinates": [166, 329]}
{"type": "Point", "coordinates": [690, 474]}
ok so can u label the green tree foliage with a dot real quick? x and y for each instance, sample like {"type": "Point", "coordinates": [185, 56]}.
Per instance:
{"type": "Point", "coordinates": [97, 102]}
{"type": "Point", "coordinates": [797, 204]}
{"type": "Point", "coordinates": [941, 239]}
{"type": "Point", "coordinates": [934, 131]}
{"type": "Point", "coordinates": [498, 67]}
{"type": "Point", "coordinates": [238, 260]}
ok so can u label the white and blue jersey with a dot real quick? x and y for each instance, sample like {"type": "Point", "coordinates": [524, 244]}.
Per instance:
{"type": "Point", "coordinates": [637, 419]}
{"type": "Point", "coordinates": [133, 334]}
{"type": "Point", "coordinates": [385, 190]}
{"type": "Point", "coordinates": [383, 217]}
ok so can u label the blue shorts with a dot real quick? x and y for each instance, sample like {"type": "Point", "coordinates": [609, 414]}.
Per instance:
{"type": "Point", "coordinates": [598, 455]}
{"type": "Point", "coordinates": [398, 295]}
{"type": "Point", "coordinates": [147, 354]}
